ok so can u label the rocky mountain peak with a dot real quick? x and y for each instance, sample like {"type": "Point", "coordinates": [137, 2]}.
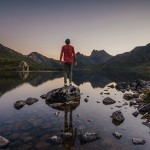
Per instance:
{"type": "Point", "coordinates": [99, 53]}
{"type": "Point", "coordinates": [37, 57]}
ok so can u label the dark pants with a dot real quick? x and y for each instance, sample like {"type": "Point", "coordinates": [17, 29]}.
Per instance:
{"type": "Point", "coordinates": [67, 72]}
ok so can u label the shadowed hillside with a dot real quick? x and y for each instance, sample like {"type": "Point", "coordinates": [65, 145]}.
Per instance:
{"type": "Point", "coordinates": [138, 58]}
{"type": "Point", "coordinates": [10, 60]}
{"type": "Point", "coordinates": [96, 58]}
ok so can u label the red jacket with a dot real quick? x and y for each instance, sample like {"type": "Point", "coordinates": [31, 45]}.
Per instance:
{"type": "Point", "coordinates": [68, 52]}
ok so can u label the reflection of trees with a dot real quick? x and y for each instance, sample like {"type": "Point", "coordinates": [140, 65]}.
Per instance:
{"type": "Point", "coordinates": [37, 78]}
{"type": "Point", "coordinates": [68, 141]}
{"type": "Point", "coordinates": [8, 81]}
{"type": "Point", "coordinates": [23, 75]}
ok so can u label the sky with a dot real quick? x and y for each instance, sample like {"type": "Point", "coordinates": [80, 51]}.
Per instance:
{"type": "Point", "coordinates": [115, 26]}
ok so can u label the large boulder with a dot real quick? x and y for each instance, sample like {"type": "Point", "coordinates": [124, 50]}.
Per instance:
{"type": "Point", "coordinates": [63, 94]}
{"type": "Point", "coordinates": [19, 104]}
{"type": "Point", "coordinates": [108, 101]}
{"type": "Point", "coordinates": [23, 66]}
{"type": "Point", "coordinates": [146, 124]}
{"type": "Point", "coordinates": [3, 142]}
{"type": "Point", "coordinates": [31, 101]}
{"type": "Point", "coordinates": [118, 116]}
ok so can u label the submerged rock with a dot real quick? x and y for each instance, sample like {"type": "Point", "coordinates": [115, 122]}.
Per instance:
{"type": "Point", "coordinates": [31, 101]}
{"type": "Point", "coordinates": [89, 120]}
{"type": "Point", "coordinates": [111, 86]}
{"type": "Point", "coordinates": [135, 114]}
{"type": "Point", "coordinates": [118, 106]}
{"type": "Point", "coordinates": [3, 142]}
{"type": "Point", "coordinates": [71, 105]}
{"type": "Point", "coordinates": [117, 135]}
{"type": "Point", "coordinates": [133, 102]}
{"type": "Point", "coordinates": [144, 108]}
{"type": "Point", "coordinates": [107, 93]}
{"type": "Point", "coordinates": [101, 93]}
{"type": "Point", "coordinates": [63, 94]}
{"type": "Point", "coordinates": [146, 124]}
{"type": "Point", "coordinates": [36, 122]}
{"type": "Point", "coordinates": [56, 139]}
{"type": "Point", "coordinates": [78, 115]}
{"type": "Point", "coordinates": [124, 104]}
{"type": "Point", "coordinates": [138, 141]}
{"type": "Point", "coordinates": [19, 104]}
{"type": "Point", "coordinates": [118, 116]}
{"type": "Point", "coordinates": [122, 86]}
{"type": "Point", "coordinates": [136, 95]}
{"type": "Point", "coordinates": [108, 101]}
{"type": "Point", "coordinates": [43, 96]}
{"type": "Point", "coordinates": [86, 100]}
{"type": "Point", "coordinates": [57, 113]}
{"type": "Point", "coordinates": [128, 96]}
{"type": "Point", "coordinates": [86, 137]}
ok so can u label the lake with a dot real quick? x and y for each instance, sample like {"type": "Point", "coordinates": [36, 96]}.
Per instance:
{"type": "Point", "coordinates": [31, 127]}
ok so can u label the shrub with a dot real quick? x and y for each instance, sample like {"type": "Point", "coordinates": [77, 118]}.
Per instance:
{"type": "Point", "coordinates": [147, 96]}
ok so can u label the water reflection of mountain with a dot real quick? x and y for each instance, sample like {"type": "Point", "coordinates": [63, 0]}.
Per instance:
{"type": "Point", "coordinates": [101, 78]}
{"type": "Point", "coordinates": [97, 79]}
{"type": "Point", "coordinates": [121, 76]}
{"type": "Point", "coordinates": [11, 80]}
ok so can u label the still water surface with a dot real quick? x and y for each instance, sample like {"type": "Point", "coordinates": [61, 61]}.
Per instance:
{"type": "Point", "coordinates": [32, 126]}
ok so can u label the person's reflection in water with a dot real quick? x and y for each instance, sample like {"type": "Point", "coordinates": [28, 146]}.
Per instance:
{"type": "Point", "coordinates": [69, 141]}
{"type": "Point", "coordinates": [69, 131]}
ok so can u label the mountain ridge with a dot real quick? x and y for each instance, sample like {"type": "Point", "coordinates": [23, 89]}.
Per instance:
{"type": "Point", "coordinates": [38, 61]}
{"type": "Point", "coordinates": [97, 57]}
{"type": "Point", "coordinates": [136, 58]}
{"type": "Point", "coordinates": [139, 58]}
{"type": "Point", "coordinates": [10, 60]}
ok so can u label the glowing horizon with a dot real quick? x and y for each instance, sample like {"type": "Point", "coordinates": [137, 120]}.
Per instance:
{"type": "Point", "coordinates": [43, 25]}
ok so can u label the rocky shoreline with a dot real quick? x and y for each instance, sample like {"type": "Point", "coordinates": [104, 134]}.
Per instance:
{"type": "Point", "coordinates": [68, 98]}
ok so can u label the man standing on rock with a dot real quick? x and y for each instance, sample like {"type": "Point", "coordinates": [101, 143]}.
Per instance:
{"type": "Point", "coordinates": [69, 56]}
